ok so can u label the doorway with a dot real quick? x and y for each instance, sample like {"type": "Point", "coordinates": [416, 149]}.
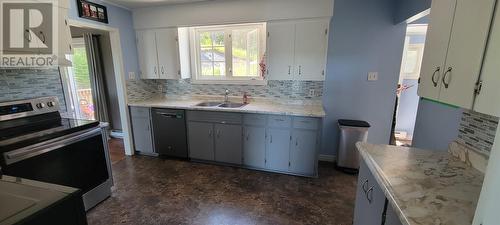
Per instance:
{"type": "Point", "coordinates": [407, 97]}
{"type": "Point", "coordinates": [90, 84]}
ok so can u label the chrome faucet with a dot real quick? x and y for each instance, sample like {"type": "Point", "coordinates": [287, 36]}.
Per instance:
{"type": "Point", "coordinates": [226, 96]}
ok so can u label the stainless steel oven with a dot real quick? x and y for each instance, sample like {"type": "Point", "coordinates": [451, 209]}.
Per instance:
{"type": "Point", "coordinates": [62, 151]}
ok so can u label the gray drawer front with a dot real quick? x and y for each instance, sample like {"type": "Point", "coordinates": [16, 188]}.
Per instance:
{"type": "Point", "coordinates": [214, 117]}
{"type": "Point", "coordinates": [280, 121]}
{"type": "Point", "coordinates": [255, 119]}
{"type": "Point", "coordinates": [139, 111]}
{"type": "Point", "coordinates": [306, 123]}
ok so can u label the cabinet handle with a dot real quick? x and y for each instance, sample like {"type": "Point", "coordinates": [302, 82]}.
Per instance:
{"type": "Point", "coordinates": [446, 85]}
{"type": "Point", "coordinates": [297, 142]}
{"type": "Point", "coordinates": [43, 37]}
{"type": "Point", "coordinates": [300, 70]}
{"type": "Point", "coordinates": [218, 133]}
{"type": "Point", "coordinates": [271, 137]}
{"type": "Point", "coordinates": [155, 69]}
{"type": "Point", "coordinates": [289, 70]}
{"type": "Point", "coordinates": [162, 70]}
{"type": "Point", "coordinates": [369, 195]}
{"type": "Point", "coordinates": [209, 133]}
{"type": "Point", "coordinates": [364, 186]}
{"type": "Point", "coordinates": [435, 82]}
{"type": "Point", "coordinates": [248, 135]}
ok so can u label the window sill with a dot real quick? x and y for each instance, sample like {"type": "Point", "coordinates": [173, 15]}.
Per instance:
{"type": "Point", "coordinates": [237, 82]}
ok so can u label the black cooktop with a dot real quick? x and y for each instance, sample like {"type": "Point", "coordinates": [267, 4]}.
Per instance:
{"type": "Point", "coordinates": [23, 132]}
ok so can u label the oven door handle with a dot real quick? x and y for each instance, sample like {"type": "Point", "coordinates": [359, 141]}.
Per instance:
{"type": "Point", "coordinates": [48, 146]}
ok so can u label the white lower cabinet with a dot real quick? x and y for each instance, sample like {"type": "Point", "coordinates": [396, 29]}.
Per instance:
{"type": "Point", "coordinates": [141, 129]}
{"type": "Point", "coordinates": [278, 149]}
{"type": "Point", "coordinates": [254, 146]}
{"type": "Point", "coordinates": [201, 141]}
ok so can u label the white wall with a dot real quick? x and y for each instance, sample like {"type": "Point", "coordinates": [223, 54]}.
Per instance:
{"type": "Point", "coordinates": [232, 11]}
{"type": "Point", "coordinates": [487, 209]}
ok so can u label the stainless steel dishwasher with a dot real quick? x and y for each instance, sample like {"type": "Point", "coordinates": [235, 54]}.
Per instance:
{"type": "Point", "coordinates": [169, 129]}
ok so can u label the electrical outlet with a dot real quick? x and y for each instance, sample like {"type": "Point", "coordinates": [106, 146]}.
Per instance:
{"type": "Point", "coordinates": [131, 75]}
{"type": "Point", "coordinates": [312, 93]}
{"type": "Point", "coordinates": [373, 76]}
{"type": "Point", "coordinates": [160, 88]}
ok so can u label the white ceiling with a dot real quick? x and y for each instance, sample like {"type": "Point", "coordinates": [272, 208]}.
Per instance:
{"type": "Point", "coordinates": [132, 4]}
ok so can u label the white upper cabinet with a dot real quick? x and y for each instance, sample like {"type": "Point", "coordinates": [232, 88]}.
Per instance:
{"type": "Point", "coordinates": [311, 38]}
{"type": "Point", "coordinates": [168, 53]}
{"type": "Point", "coordinates": [460, 44]}
{"type": "Point", "coordinates": [158, 52]}
{"type": "Point", "coordinates": [281, 48]}
{"type": "Point", "coordinates": [297, 50]}
{"type": "Point", "coordinates": [148, 57]}
{"type": "Point", "coordinates": [487, 100]}
{"type": "Point", "coordinates": [436, 47]}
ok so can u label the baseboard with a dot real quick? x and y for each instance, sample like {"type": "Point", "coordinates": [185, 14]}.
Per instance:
{"type": "Point", "coordinates": [116, 134]}
{"type": "Point", "coordinates": [327, 158]}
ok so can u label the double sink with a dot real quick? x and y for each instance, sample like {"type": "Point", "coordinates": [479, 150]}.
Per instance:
{"type": "Point", "coordinates": [221, 104]}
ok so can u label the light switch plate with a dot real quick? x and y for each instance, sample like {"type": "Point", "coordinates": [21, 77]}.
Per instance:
{"type": "Point", "coordinates": [373, 76]}
{"type": "Point", "coordinates": [131, 75]}
{"type": "Point", "coordinates": [312, 93]}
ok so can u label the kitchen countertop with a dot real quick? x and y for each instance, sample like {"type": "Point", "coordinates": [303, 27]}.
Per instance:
{"type": "Point", "coordinates": [424, 187]}
{"type": "Point", "coordinates": [264, 106]}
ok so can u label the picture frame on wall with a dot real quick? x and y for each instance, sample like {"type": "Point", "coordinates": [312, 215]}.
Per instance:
{"type": "Point", "coordinates": [92, 11]}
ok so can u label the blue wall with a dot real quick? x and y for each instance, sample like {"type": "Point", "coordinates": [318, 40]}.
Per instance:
{"type": "Point", "coordinates": [363, 39]}
{"type": "Point", "coordinates": [408, 8]}
{"type": "Point", "coordinates": [122, 19]}
{"type": "Point", "coordinates": [437, 125]}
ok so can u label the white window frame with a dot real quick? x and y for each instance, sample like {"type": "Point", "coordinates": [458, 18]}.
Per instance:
{"type": "Point", "coordinates": [228, 78]}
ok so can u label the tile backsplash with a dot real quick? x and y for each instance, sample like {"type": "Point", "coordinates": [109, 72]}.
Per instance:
{"type": "Point", "coordinates": [477, 131]}
{"type": "Point", "coordinates": [16, 84]}
{"type": "Point", "coordinates": [284, 90]}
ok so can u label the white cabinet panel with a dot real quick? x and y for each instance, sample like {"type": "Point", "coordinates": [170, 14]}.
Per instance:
{"type": "Point", "coordinates": [64, 33]}
{"type": "Point", "coordinates": [254, 146]}
{"type": "Point", "coordinates": [436, 47]}
{"type": "Point", "coordinates": [148, 56]}
{"type": "Point", "coordinates": [370, 199]}
{"type": "Point", "coordinates": [487, 101]}
{"type": "Point", "coordinates": [465, 53]}
{"type": "Point", "coordinates": [168, 53]}
{"type": "Point", "coordinates": [228, 143]}
{"type": "Point", "coordinates": [303, 152]}
{"type": "Point", "coordinates": [280, 44]}
{"type": "Point", "coordinates": [310, 50]}
{"type": "Point", "coordinates": [141, 129]}
{"type": "Point", "coordinates": [201, 141]}
{"type": "Point", "coordinates": [278, 149]}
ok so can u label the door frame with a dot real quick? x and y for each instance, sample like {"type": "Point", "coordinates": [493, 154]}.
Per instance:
{"type": "Point", "coordinates": [121, 87]}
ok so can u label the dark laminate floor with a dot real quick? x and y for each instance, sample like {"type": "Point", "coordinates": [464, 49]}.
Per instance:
{"type": "Point", "coordinates": [158, 191]}
{"type": "Point", "coordinates": [116, 150]}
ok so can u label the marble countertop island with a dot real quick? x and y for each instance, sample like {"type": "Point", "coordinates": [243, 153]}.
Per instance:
{"type": "Point", "coordinates": [424, 187]}
{"type": "Point", "coordinates": [264, 106]}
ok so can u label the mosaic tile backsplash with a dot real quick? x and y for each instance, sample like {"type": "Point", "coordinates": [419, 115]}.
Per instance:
{"type": "Point", "coordinates": [16, 84]}
{"type": "Point", "coordinates": [286, 90]}
{"type": "Point", "coordinates": [477, 131]}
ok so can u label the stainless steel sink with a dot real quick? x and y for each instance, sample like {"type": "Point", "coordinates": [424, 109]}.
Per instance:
{"type": "Point", "coordinates": [209, 104]}
{"type": "Point", "coordinates": [232, 105]}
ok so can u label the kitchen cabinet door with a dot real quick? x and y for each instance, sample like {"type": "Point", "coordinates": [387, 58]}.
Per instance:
{"type": "Point", "coordinates": [64, 33]}
{"type": "Point", "coordinates": [487, 99]}
{"type": "Point", "coordinates": [168, 53]}
{"type": "Point", "coordinates": [278, 149]}
{"type": "Point", "coordinates": [228, 143]}
{"type": "Point", "coordinates": [148, 56]}
{"type": "Point", "coordinates": [280, 45]}
{"type": "Point", "coordinates": [201, 141]}
{"type": "Point", "coordinates": [303, 152]}
{"type": "Point", "coordinates": [311, 38]}
{"type": "Point", "coordinates": [141, 129]}
{"type": "Point", "coordinates": [436, 47]}
{"type": "Point", "coordinates": [465, 52]}
{"type": "Point", "coordinates": [391, 217]}
{"type": "Point", "coordinates": [370, 200]}
{"type": "Point", "coordinates": [254, 146]}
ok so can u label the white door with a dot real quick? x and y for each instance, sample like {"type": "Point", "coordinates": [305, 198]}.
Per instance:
{"type": "Point", "coordinates": [303, 152]}
{"type": "Point", "coordinates": [278, 149]}
{"type": "Point", "coordinates": [280, 44]}
{"type": "Point", "coordinates": [311, 38]}
{"type": "Point", "coordinates": [148, 56]}
{"type": "Point", "coordinates": [436, 47]}
{"type": "Point", "coordinates": [254, 146]}
{"type": "Point", "coordinates": [487, 100]}
{"type": "Point", "coordinates": [465, 53]}
{"type": "Point", "coordinates": [168, 53]}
